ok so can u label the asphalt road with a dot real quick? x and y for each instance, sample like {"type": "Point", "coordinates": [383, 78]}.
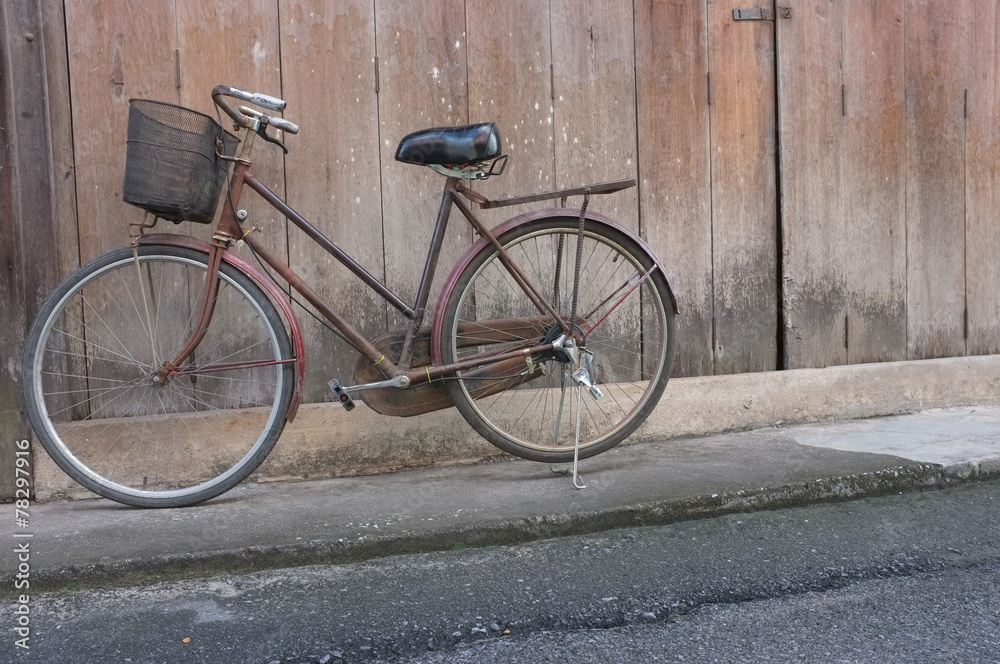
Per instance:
{"type": "Point", "coordinates": [948, 616]}
{"type": "Point", "coordinates": [907, 578]}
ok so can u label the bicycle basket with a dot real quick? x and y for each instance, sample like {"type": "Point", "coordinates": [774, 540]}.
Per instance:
{"type": "Point", "coordinates": [172, 163]}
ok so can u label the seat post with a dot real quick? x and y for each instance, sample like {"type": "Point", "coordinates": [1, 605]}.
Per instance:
{"type": "Point", "coordinates": [430, 266]}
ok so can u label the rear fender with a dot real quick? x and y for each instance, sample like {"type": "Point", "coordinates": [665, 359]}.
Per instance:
{"type": "Point", "coordinates": [505, 227]}
{"type": "Point", "coordinates": [264, 281]}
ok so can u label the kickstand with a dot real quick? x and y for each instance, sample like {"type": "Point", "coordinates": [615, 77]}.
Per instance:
{"type": "Point", "coordinates": [577, 480]}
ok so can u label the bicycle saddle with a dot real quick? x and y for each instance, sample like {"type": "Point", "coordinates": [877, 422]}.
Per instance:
{"type": "Point", "coordinates": [451, 146]}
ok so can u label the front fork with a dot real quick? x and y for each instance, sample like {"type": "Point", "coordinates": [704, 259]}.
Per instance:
{"type": "Point", "coordinates": [209, 295]}
{"type": "Point", "coordinates": [223, 236]}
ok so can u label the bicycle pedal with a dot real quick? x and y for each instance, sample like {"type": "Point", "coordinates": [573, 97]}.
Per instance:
{"type": "Point", "coordinates": [342, 396]}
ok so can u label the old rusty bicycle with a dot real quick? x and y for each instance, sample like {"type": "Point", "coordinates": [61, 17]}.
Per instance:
{"type": "Point", "coordinates": [163, 373]}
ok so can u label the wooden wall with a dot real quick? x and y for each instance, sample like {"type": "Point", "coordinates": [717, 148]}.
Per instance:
{"type": "Point", "coordinates": [823, 188]}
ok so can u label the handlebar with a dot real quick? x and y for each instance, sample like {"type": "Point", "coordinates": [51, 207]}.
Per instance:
{"type": "Point", "coordinates": [245, 117]}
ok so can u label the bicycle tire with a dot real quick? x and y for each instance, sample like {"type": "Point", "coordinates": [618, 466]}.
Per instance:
{"type": "Point", "coordinates": [89, 360]}
{"type": "Point", "coordinates": [632, 345]}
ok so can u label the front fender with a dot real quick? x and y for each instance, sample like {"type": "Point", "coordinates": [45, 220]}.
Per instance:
{"type": "Point", "coordinates": [510, 224]}
{"type": "Point", "coordinates": [264, 281]}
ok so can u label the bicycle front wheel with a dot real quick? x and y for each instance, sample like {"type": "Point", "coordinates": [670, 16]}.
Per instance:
{"type": "Point", "coordinates": [89, 387]}
{"type": "Point", "coordinates": [624, 320]}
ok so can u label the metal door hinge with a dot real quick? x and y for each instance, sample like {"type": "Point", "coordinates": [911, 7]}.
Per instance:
{"type": "Point", "coordinates": [760, 13]}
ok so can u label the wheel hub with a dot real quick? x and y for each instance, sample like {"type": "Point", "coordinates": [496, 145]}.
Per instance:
{"type": "Point", "coordinates": [559, 352]}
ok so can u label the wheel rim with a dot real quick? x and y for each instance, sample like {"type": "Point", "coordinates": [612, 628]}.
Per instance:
{"type": "Point", "coordinates": [104, 416]}
{"type": "Point", "coordinates": [629, 345]}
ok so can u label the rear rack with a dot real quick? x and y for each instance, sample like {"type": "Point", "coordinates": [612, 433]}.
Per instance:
{"type": "Point", "coordinates": [601, 188]}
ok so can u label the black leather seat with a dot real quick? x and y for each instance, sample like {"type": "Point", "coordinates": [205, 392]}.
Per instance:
{"type": "Point", "coordinates": [451, 146]}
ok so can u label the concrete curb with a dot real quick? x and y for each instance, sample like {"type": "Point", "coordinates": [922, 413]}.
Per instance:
{"type": "Point", "coordinates": [241, 560]}
{"type": "Point", "coordinates": [973, 470]}
{"type": "Point", "coordinates": [715, 404]}
{"type": "Point", "coordinates": [326, 442]}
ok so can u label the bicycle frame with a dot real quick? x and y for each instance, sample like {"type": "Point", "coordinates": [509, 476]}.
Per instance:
{"type": "Point", "coordinates": [398, 372]}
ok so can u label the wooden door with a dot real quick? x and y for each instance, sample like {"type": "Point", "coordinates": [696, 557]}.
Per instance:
{"type": "Point", "coordinates": [888, 160]}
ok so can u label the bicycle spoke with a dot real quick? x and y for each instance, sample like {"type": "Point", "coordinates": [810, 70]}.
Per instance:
{"type": "Point", "coordinates": [127, 386]}
{"type": "Point", "coordinates": [146, 332]}
{"type": "Point", "coordinates": [214, 394]}
{"type": "Point", "coordinates": [84, 356]}
{"type": "Point", "coordinates": [91, 332]}
{"type": "Point", "coordinates": [201, 414]}
{"type": "Point", "coordinates": [95, 438]}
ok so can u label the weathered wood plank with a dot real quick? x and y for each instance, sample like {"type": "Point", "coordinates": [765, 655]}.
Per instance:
{"type": "Point", "coordinates": [593, 84]}
{"type": "Point", "coordinates": [234, 44]}
{"type": "Point", "coordinates": [510, 83]}
{"type": "Point", "coordinates": [744, 193]}
{"type": "Point", "coordinates": [20, 62]}
{"type": "Point", "coordinates": [31, 214]}
{"type": "Point", "coordinates": [675, 197]}
{"type": "Point", "coordinates": [422, 83]}
{"type": "Point", "coordinates": [810, 109]}
{"type": "Point", "coordinates": [936, 80]}
{"type": "Point", "coordinates": [874, 210]}
{"type": "Point", "coordinates": [63, 183]}
{"type": "Point", "coordinates": [593, 58]}
{"type": "Point", "coordinates": [37, 213]}
{"type": "Point", "coordinates": [118, 49]}
{"type": "Point", "coordinates": [328, 80]}
{"type": "Point", "coordinates": [982, 171]}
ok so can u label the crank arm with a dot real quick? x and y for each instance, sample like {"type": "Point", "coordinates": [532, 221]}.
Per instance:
{"type": "Point", "coordinates": [396, 381]}
{"type": "Point", "coordinates": [343, 394]}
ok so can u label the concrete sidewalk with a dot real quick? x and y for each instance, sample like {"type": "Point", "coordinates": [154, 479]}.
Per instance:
{"type": "Point", "coordinates": [97, 542]}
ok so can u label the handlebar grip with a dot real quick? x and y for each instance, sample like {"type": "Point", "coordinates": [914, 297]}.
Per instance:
{"type": "Point", "coordinates": [265, 101]}
{"type": "Point", "coordinates": [283, 125]}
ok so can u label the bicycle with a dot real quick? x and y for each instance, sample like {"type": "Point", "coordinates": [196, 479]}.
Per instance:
{"type": "Point", "coordinates": [163, 373]}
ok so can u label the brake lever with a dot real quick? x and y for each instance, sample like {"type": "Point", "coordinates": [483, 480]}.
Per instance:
{"type": "Point", "coordinates": [262, 132]}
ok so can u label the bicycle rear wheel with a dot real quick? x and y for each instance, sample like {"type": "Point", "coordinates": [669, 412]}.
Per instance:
{"type": "Point", "coordinates": [624, 316]}
{"type": "Point", "coordinates": [89, 363]}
